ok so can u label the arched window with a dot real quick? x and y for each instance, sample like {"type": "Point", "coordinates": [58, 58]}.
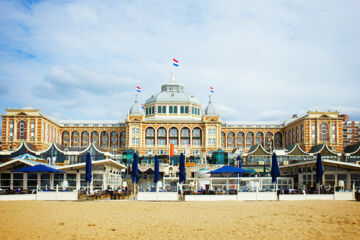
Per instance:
{"type": "Point", "coordinates": [259, 138]}
{"type": "Point", "coordinates": [175, 109]}
{"type": "Point", "coordinates": [223, 138]}
{"type": "Point", "coordinates": [293, 136]}
{"type": "Point", "coordinates": [150, 136]}
{"type": "Point", "coordinates": [182, 109]}
{"type": "Point", "coordinates": [104, 139]}
{"type": "Point", "coordinates": [123, 139]}
{"type": "Point", "coordinates": [278, 140]}
{"type": "Point", "coordinates": [324, 132]}
{"type": "Point", "coordinates": [164, 109]}
{"type": "Point", "coordinates": [84, 138]}
{"type": "Point", "coordinates": [240, 140]}
{"type": "Point", "coordinates": [171, 109]}
{"type": "Point", "coordinates": [95, 137]}
{"type": "Point", "coordinates": [174, 136]}
{"type": "Point", "coordinates": [161, 136]}
{"type": "Point", "coordinates": [302, 133]}
{"type": "Point", "coordinates": [289, 138]}
{"type": "Point", "coordinates": [185, 136]}
{"type": "Point", "coordinates": [114, 139]}
{"type": "Point", "coordinates": [268, 140]}
{"type": "Point", "coordinates": [186, 109]}
{"type": "Point", "coordinates": [159, 109]}
{"type": "Point", "coordinates": [196, 136]}
{"type": "Point", "coordinates": [230, 140]}
{"type": "Point", "coordinates": [75, 139]}
{"type": "Point", "coordinates": [297, 135]}
{"type": "Point", "coordinates": [249, 139]}
{"type": "Point", "coordinates": [152, 110]}
{"type": "Point", "coordinates": [65, 136]}
{"type": "Point", "coordinates": [21, 130]}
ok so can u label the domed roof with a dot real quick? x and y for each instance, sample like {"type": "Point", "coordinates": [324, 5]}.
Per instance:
{"type": "Point", "coordinates": [172, 92]}
{"type": "Point", "coordinates": [135, 109]}
{"type": "Point", "coordinates": [210, 109]}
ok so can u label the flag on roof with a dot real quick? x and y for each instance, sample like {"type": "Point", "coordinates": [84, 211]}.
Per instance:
{"type": "Point", "coordinates": [138, 89]}
{"type": "Point", "coordinates": [175, 62]}
{"type": "Point", "coordinates": [211, 89]}
{"type": "Point", "coordinates": [142, 106]}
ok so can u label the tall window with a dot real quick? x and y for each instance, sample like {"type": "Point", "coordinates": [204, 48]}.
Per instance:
{"type": "Point", "coordinates": [164, 109]}
{"type": "Point", "coordinates": [11, 130]}
{"type": "Point", "coordinates": [65, 138]}
{"type": "Point", "coordinates": [324, 132]}
{"type": "Point", "coordinates": [150, 136]}
{"type": "Point", "coordinates": [114, 139]}
{"type": "Point", "coordinates": [259, 138]}
{"type": "Point", "coordinates": [22, 130]}
{"type": "Point", "coordinates": [123, 139]}
{"type": "Point", "coordinates": [104, 139]}
{"type": "Point", "coordinates": [95, 137]}
{"type": "Point", "coordinates": [278, 140]}
{"type": "Point", "coordinates": [268, 140]}
{"type": "Point", "coordinates": [174, 136]}
{"type": "Point", "coordinates": [171, 109]}
{"type": "Point", "coordinates": [333, 132]}
{"type": "Point", "coordinates": [240, 140]}
{"type": "Point", "coordinates": [313, 132]}
{"type": "Point", "coordinates": [84, 138]}
{"type": "Point", "coordinates": [159, 109]}
{"type": "Point", "coordinates": [185, 136]}
{"type": "Point", "coordinates": [230, 140]}
{"type": "Point", "coordinates": [186, 109]}
{"type": "Point", "coordinates": [32, 126]}
{"type": "Point", "coordinates": [223, 136]}
{"type": "Point", "coordinates": [196, 136]}
{"type": "Point", "coordinates": [249, 139]}
{"type": "Point", "coordinates": [175, 109]}
{"type": "Point", "coordinates": [302, 133]}
{"type": "Point", "coordinates": [161, 136]}
{"type": "Point", "coordinates": [75, 139]}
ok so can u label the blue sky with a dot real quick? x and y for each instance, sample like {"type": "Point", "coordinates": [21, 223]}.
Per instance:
{"type": "Point", "coordinates": [265, 59]}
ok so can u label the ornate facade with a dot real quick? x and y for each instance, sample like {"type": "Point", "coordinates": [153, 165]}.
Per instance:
{"type": "Point", "coordinates": [171, 117]}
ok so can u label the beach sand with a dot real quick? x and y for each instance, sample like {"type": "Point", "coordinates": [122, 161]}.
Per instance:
{"type": "Point", "coordinates": [179, 220]}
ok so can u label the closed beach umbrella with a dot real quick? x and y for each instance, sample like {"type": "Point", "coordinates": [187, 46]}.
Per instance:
{"type": "Point", "coordinates": [319, 168]}
{"type": "Point", "coordinates": [239, 161]}
{"type": "Point", "coordinates": [135, 174]}
{"type": "Point", "coordinates": [182, 173]}
{"type": "Point", "coordinates": [156, 170]}
{"type": "Point", "coordinates": [88, 168]}
{"type": "Point", "coordinates": [275, 170]}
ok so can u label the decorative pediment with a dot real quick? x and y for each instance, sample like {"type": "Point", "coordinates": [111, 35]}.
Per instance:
{"type": "Point", "coordinates": [324, 116]}
{"type": "Point", "coordinates": [21, 114]}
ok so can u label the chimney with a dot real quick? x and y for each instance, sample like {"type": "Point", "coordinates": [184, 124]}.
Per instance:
{"type": "Point", "coordinates": [295, 115]}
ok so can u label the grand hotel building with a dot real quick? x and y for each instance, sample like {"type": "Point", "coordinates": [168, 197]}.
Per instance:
{"type": "Point", "coordinates": [171, 117]}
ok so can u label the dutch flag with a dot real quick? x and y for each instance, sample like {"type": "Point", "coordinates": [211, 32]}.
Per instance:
{"type": "Point", "coordinates": [175, 62]}
{"type": "Point", "coordinates": [138, 89]}
{"type": "Point", "coordinates": [142, 106]}
{"type": "Point", "coordinates": [211, 89]}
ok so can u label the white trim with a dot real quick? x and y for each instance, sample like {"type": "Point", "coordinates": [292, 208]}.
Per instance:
{"type": "Point", "coordinates": [97, 162]}
{"type": "Point", "coordinates": [306, 153]}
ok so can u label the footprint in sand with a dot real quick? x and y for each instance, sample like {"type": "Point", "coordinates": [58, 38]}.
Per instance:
{"type": "Point", "coordinates": [61, 223]}
{"type": "Point", "coordinates": [91, 224]}
{"type": "Point", "coordinates": [113, 229]}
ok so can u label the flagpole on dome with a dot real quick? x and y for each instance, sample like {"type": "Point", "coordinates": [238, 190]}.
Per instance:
{"type": "Point", "coordinates": [175, 65]}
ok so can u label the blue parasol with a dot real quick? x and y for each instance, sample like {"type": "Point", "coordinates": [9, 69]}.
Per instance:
{"type": "Point", "coordinates": [275, 170]}
{"type": "Point", "coordinates": [156, 170]}
{"type": "Point", "coordinates": [182, 173]}
{"type": "Point", "coordinates": [88, 168]}
{"type": "Point", "coordinates": [319, 168]}
{"type": "Point", "coordinates": [135, 174]}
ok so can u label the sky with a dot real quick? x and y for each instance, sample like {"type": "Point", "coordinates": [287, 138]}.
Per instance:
{"type": "Point", "coordinates": [266, 60]}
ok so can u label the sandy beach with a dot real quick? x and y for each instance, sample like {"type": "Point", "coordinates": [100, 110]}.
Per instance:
{"type": "Point", "coordinates": [179, 220]}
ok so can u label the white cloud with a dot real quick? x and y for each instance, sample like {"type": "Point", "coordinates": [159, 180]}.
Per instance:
{"type": "Point", "coordinates": [266, 60]}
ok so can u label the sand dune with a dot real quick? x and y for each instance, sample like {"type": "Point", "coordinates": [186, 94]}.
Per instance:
{"type": "Point", "coordinates": [180, 220]}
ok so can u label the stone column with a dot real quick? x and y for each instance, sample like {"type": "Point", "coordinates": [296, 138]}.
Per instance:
{"type": "Point", "coordinates": [25, 180]}
{"type": "Point", "coordinates": [78, 180]}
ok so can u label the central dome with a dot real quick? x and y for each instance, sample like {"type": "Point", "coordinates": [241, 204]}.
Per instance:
{"type": "Point", "coordinates": [172, 92]}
